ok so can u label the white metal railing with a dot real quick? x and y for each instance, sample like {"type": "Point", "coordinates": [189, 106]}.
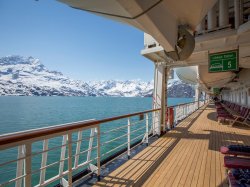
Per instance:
{"type": "Point", "coordinates": [77, 146]}
{"type": "Point", "coordinates": [181, 111]}
{"type": "Point", "coordinates": [83, 146]}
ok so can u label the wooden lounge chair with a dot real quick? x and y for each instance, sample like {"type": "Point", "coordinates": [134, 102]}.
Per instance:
{"type": "Point", "coordinates": [242, 118]}
{"type": "Point", "coordinates": [233, 118]}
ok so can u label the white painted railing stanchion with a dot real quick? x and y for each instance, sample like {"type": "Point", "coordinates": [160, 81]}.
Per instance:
{"type": "Point", "coordinates": [20, 164]}
{"type": "Point", "coordinates": [99, 152]}
{"type": "Point", "coordinates": [147, 129]}
{"type": "Point", "coordinates": [158, 132]}
{"type": "Point", "coordinates": [27, 165]}
{"type": "Point", "coordinates": [44, 161]}
{"type": "Point", "coordinates": [70, 159]}
{"type": "Point", "coordinates": [91, 139]}
{"type": "Point", "coordinates": [78, 148]}
{"type": "Point", "coordinates": [129, 138]}
{"type": "Point", "coordinates": [62, 157]}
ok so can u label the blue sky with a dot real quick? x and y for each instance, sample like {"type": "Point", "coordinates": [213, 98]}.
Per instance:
{"type": "Point", "coordinates": [81, 45]}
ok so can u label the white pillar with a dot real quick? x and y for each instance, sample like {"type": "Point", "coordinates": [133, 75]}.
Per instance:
{"type": "Point", "coordinates": [207, 96]}
{"type": "Point", "coordinates": [166, 125]}
{"type": "Point", "coordinates": [236, 14]}
{"type": "Point", "coordinates": [197, 96]}
{"type": "Point", "coordinates": [201, 26]}
{"type": "Point", "coordinates": [241, 11]}
{"type": "Point", "coordinates": [159, 96]}
{"type": "Point", "coordinates": [211, 18]}
{"type": "Point", "coordinates": [223, 13]}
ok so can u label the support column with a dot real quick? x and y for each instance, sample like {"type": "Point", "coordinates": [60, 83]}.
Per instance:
{"type": "Point", "coordinates": [201, 26]}
{"type": "Point", "coordinates": [166, 124]}
{"type": "Point", "coordinates": [159, 97]}
{"type": "Point", "coordinates": [197, 96]}
{"type": "Point", "coordinates": [236, 14]}
{"type": "Point", "coordinates": [223, 13]}
{"type": "Point", "coordinates": [241, 11]}
{"type": "Point", "coordinates": [207, 96]}
{"type": "Point", "coordinates": [211, 18]}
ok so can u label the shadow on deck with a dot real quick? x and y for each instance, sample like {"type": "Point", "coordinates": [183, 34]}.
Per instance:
{"type": "Point", "coordinates": [186, 156]}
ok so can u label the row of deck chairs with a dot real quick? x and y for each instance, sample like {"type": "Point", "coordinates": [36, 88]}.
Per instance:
{"type": "Point", "coordinates": [234, 113]}
{"type": "Point", "coordinates": [237, 161]}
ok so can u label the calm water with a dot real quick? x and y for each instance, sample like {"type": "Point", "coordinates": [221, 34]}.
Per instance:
{"type": "Point", "coordinates": [22, 113]}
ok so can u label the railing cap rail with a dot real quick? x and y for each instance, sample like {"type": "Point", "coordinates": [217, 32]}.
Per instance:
{"type": "Point", "coordinates": [186, 103]}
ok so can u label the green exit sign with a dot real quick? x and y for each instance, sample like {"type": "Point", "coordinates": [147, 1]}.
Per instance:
{"type": "Point", "coordinates": [224, 61]}
{"type": "Point", "coordinates": [216, 90]}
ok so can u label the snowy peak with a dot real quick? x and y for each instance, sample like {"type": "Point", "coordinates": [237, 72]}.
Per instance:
{"type": "Point", "coordinates": [28, 76]}
{"type": "Point", "coordinates": [16, 59]}
{"type": "Point", "coordinates": [129, 88]}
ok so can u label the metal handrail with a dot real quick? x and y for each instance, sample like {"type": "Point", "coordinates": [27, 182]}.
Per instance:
{"type": "Point", "coordinates": [186, 103]}
{"type": "Point", "coordinates": [35, 133]}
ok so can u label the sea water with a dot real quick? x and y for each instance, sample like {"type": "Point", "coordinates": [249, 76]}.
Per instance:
{"type": "Point", "coordinates": [24, 113]}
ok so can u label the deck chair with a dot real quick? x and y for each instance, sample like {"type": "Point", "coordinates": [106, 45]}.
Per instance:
{"type": "Point", "coordinates": [236, 150]}
{"type": "Point", "coordinates": [231, 162]}
{"type": "Point", "coordinates": [233, 118]}
{"type": "Point", "coordinates": [242, 118]}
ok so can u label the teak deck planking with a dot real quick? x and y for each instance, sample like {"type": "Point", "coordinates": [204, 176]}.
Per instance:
{"type": "Point", "coordinates": [188, 155]}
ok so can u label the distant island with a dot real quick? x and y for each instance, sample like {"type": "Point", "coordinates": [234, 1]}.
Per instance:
{"type": "Point", "coordinates": [27, 76]}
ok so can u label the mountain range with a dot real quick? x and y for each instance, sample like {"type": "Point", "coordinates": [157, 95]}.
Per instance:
{"type": "Point", "coordinates": [27, 76]}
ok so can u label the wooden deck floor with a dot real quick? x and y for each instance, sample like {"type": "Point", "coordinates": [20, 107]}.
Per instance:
{"type": "Point", "coordinates": [185, 156]}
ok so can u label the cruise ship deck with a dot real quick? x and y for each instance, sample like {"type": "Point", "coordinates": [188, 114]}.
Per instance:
{"type": "Point", "coordinates": [188, 155]}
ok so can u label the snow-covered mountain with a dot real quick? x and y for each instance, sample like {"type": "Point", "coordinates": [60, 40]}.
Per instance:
{"type": "Point", "coordinates": [28, 76]}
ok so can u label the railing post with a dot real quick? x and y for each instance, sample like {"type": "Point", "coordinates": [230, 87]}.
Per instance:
{"type": "Point", "coordinates": [70, 159]}
{"type": "Point", "coordinates": [78, 148]}
{"type": "Point", "coordinates": [28, 160]}
{"type": "Point", "coordinates": [154, 122]}
{"type": "Point", "coordinates": [62, 157]}
{"type": "Point", "coordinates": [98, 152]}
{"type": "Point", "coordinates": [128, 138]}
{"type": "Point", "coordinates": [168, 118]}
{"type": "Point", "coordinates": [159, 124]}
{"type": "Point", "coordinates": [91, 139]}
{"type": "Point", "coordinates": [20, 163]}
{"type": "Point", "coordinates": [147, 129]}
{"type": "Point", "coordinates": [44, 161]}
{"type": "Point", "coordinates": [186, 110]}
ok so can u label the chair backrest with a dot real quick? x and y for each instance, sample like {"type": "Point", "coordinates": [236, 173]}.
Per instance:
{"type": "Point", "coordinates": [236, 108]}
{"type": "Point", "coordinates": [242, 112]}
{"type": "Point", "coordinates": [232, 106]}
{"type": "Point", "coordinates": [246, 115]}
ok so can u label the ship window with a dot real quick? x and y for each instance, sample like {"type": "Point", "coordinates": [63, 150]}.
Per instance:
{"type": "Point", "coordinates": [152, 45]}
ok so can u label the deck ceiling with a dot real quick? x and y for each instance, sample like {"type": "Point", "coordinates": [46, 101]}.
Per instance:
{"type": "Point", "coordinates": [211, 80]}
{"type": "Point", "coordinates": [159, 18]}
